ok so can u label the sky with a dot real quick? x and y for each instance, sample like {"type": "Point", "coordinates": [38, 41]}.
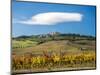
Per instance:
{"type": "Point", "coordinates": [33, 18]}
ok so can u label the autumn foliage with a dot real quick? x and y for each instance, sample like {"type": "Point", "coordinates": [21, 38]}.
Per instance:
{"type": "Point", "coordinates": [30, 61]}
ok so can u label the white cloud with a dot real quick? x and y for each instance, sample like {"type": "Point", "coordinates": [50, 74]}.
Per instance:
{"type": "Point", "coordinates": [52, 18]}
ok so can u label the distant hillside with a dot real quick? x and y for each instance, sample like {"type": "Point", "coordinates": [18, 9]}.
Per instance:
{"type": "Point", "coordinates": [55, 36]}
{"type": "Point", "coordinates": [53, 41]}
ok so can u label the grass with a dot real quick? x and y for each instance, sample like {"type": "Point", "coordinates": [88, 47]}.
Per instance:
{"type": "Point", "coordinates": [23, 44]}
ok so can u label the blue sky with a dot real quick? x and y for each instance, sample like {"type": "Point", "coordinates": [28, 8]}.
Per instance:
{"type": "Point", "coordinates": [24, 12]}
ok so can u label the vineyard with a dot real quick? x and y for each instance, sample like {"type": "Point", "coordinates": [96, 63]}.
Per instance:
{"type": "Point", "coordinates": [50, 61]}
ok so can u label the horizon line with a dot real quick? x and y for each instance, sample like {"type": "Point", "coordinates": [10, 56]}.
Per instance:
{"type": "Point", "coordinates": [51, 32]}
